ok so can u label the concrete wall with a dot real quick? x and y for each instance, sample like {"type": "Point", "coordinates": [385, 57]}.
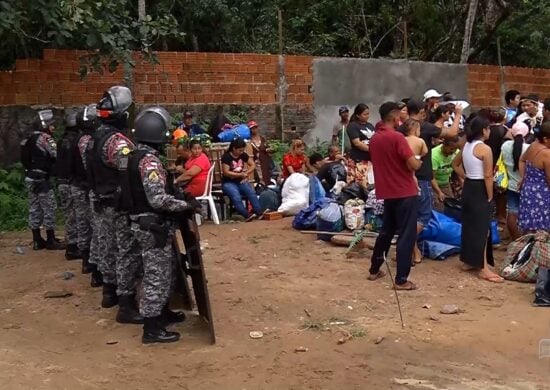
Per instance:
{"type": "Point", "coordinates": [342, 81]}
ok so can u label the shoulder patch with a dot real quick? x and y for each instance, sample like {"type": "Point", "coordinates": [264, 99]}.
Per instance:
{"type": "Point", "coordinates": [125, 151]}
{"type": "Point", "coordinates": [153, 177]}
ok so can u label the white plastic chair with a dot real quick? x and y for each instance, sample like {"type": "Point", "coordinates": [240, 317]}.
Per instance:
{"type": "Point", "coordinates": [208, 195]}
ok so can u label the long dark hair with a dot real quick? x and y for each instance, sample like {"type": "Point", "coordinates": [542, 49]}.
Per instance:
{"type": "Point", "coordinates": [517, 149]}
{"type": "Point", "coordinates": [358, 110]}
{"type": "Point", "coordinates": [475, 129]}
{"type": "Point", "coordinates": [439, 111]}
{"type": "Point", "coordinates": [544, 132]}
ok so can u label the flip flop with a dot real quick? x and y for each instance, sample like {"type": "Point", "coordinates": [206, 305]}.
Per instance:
{"type": "Point", "coordinates": [376, 276]}
{"type": "Point", "coordinates": [250, 218]}
{"type": "Point", "coordinates": [492, 279]}
{"type": "Point", "coordinates": [407, 286]}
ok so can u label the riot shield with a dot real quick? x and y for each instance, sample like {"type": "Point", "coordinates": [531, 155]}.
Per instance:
{"type": "Point", "coordinates": [192, 266]}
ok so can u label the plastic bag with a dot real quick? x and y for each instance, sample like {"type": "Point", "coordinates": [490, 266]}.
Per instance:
{"type": "Point", "coordinates": [237, 131]}
{"type": "Point", "coordinates": [316, 190]}
{"type": "Point", "coordinates": [501, 176]}
{"type": "Point", "coordinates": [436, 250]}
{"type": "Point", "coordinates": [330, 219]}
{"type": "Point", "coordinates": [354, 214]}
{"type": "Point", "coordinates": [295, 194]}
{"type": "Point", "coordinates": [307, 218]}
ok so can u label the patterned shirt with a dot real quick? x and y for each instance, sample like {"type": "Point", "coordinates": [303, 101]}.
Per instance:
{"type": "Point", "coordinates": [46, 143]}
{"type": "Point", "coordinates": [82, 146]}
{"type": "Point", "coordinates": [115, 149]}
{"type": "Point", "coordinates": [153, 178]}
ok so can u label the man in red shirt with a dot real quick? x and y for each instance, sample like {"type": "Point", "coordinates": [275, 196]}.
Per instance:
{"type": "Point", "coordinates": [394, 164]}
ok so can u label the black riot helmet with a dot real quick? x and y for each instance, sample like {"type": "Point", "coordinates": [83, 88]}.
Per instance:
{"type": "Point", "coordinates": [151, 126]}
{"type": "Point", "coordinates": [113, 107]}
{"type": "Point", "coordinates": [44, 120]}
{"type": "Point", "coordinates": [87, 118]}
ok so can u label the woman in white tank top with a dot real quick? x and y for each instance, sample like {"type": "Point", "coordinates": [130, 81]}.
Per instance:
{"type": "Point", "coordinates": [475, 165]}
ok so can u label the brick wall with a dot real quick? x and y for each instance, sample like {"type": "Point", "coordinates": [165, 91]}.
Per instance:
{"type": "Point", "coordinates": [484, 83]}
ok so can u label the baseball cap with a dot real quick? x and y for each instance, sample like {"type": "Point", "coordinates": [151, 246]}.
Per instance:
{"type": "Point", "coordinates": [252, 124]}
{"type": "Point", "coordinates": [387, 108]}
{"type": "Point", "coordinates": [343, 109]}
{"type": "Point", "coordinates": [431, 93]}
{"type": "Point", "coordinates": [188, 114]}
{"type": "Point", "coordinates": [520, 128]}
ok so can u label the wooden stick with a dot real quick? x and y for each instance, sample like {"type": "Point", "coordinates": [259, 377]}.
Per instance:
{"type": "Point", "coordinates": [368, 234]}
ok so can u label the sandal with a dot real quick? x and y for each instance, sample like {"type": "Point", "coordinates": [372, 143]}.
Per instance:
{"type": "Point", "coordinates": [376, 276]}
{"type": "Point", "coordinates": [251, 217]}
{"type": "Point", "coordinates": [407, 286]}
{"type": "Point", "coordinates": [493, 279]}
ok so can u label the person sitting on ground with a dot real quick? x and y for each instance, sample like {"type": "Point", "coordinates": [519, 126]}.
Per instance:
{"type": "Point", "coordinates": [236, 166]}
{"type": "Point", "coordinates": [328, 172]}
{"type": "Point", "coordinates": [196, 169]}
{"type": "Point", "coordinates": [333, 154]}
{"type": "Point", "coordinates": [295, 161]}
{"type": "Point", "coordinates": [417, 144]}
{"type": "Point", "coordinates": [442, 159]}
{"type": "Point", "coordinates": [511, 153]}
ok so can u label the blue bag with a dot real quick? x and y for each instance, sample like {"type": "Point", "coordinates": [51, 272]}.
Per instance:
{"type": "Point", "coordinates": [237, 131]}
{"type": "Point", "coordinates": [307, 218]}
{"type": "Point", "coordinates": [436, 250]}
{"type": "Point", "coordinates": [446, 230]}
{"type": "Point", "coordinates": [316, 190]}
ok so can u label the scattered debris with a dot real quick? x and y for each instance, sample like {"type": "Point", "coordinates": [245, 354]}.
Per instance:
{"type": "Point", "coordinates": [485, 298]}
{"type": "Point", "coordinates": [238, 258]}
{"type": "Point", "coordinates": [449, 309]}
{"type": "Point", "coordinates": [19, 250]}
{"type": "Point", "coordinates": [58, 294]}
{"type": "Point", "coordinates": [301, 349]}
{"type": "Point", "coordinates": [513, 323]}
{"type": "Point", "coordinates": [337, 323]}
{"type": "Point", "coordinates": [102, 323]}
{"type": "Point", "coordinates": [379, 339]}
{"type": "Point", "coordinates": [11, 326]}
{"type": "Point", "coordinates": [434, 318]}
{"type": "Point", "coordinates": [426, 306]}
{"type": "Point", "coordinates": [111, 342]}
{"type": "Point", "coordinates": [67, 275]}
{"type": "Point", "coordinates": [256, 334]}
{"type": "Point", "coordinates": [307, 313]}
{"type": "Point", "coordinates": [350, 308]}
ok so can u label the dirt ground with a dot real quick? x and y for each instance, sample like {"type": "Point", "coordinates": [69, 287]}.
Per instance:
{"type": "Point", "coordinates": [299, 292]}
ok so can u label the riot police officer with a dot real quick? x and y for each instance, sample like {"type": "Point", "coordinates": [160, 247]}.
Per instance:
{"type": "Point", "coordinates": [86, 121]}
{"type": "Point", "coordinates": [144, 193]}
{"type": "Point", "coordinates": [119, 260]}
{"type": "Point", "coordinates": [65, 169]}
{"type": "Point", "coordinates": [38, 155]}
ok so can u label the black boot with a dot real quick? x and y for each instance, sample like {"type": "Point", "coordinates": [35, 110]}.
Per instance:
{"type": "Point", "coordinates": [171, 317]}
{"type": "Point", "coordinates": [52, 243]}
{"type": "Point", "coordinates": [86, 266]}
{"type": "Point", "coordinates": [97, 279]}
{"type": "Point", "coordinates": [128, 312]}
{"type": "Point", "coordinates": [154, 332]}
{"type": "Point", "coordinates": [542, 288]}
{"type": "Point", "coordinates": [109, 296]}
{"type": "Point", "coordinates": [37, 241]}
{"type": "Point", "coordinates": [72, 252]}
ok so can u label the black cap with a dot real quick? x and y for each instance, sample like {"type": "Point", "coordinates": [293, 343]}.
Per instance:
{"type": "Point", "coordinates": [188, 114]}
{"type": "Point", "coordinates": [386, 108]}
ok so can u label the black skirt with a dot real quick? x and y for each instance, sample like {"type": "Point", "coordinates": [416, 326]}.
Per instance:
{"type": "Point", "coordinates": [476, 224]}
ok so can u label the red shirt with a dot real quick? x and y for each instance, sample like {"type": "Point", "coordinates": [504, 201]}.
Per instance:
{"type": "Point", "coordinates": [296, 162]}
{"type": "Point", "coordinates": [197, 183]}
{"type": "Point", "coordinates": [389, 154]}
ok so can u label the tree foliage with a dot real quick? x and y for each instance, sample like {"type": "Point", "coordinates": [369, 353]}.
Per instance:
{"type": "Point", "coordinates": [352, 28]}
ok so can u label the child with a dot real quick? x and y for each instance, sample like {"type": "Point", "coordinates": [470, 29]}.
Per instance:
{"type": "Point", "coordinates": [417, 144]}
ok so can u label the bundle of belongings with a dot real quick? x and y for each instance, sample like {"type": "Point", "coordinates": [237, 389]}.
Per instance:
{"type": "Point", "coordinates": [441, 236]}
{"type": "Point", "coordinates": [528, 261]}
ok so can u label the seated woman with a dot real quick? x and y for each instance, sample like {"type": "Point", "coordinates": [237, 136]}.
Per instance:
{"type": "Point", "coordinates": [195, 173]}
{"type": "Point", "coordinates": [295, 161]}
{"type": "Point", "coordinates": [236, 166]}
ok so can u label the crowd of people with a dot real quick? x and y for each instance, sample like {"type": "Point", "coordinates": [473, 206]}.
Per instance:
{"type": "Point", "coordinates": [120, 201]}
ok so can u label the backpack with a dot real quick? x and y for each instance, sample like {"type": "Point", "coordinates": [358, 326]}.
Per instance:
{"type": "Point", "coordinates": [525, 256]}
